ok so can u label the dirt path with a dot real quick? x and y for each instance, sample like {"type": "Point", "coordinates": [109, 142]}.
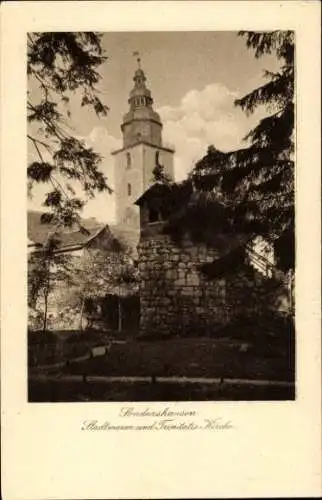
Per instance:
{"type": "Point", "coordinates": [170, 380]}
{"type": "Point", "coordinates": [93, 353]}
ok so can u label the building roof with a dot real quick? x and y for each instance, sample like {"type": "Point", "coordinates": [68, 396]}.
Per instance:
{"type": "Point", "coordinates": [38, 231]}
{"type": "Point", "coordinates": [127, 237]}
{"type": "Point", "coordinates": [201, 215]}
{"type": "Point", "coordinates": [69, 239]}
{"type": "Point", "coordinates": [78, 238]}
{"type": "Point", "coordinates": [146, 143]}
{"type": "Point", "coordinates": [171, 194]}
{"type": "Point", "coordinates": [157, 190]}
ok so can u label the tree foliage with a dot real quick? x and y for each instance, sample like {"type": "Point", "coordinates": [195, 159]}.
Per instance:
{"type": "Point", "coordinates": [257, 182]}
{"type": "Point", "coordinates": [159, 174]}
{"type": "Point", "coordinates": [47, 270]}
{"type": "Point", "coordinates": [106, 272]}
{"type": "Point", "coordinates": [101, 273]}
{"type": "Point", "coordinates": [59, 65]}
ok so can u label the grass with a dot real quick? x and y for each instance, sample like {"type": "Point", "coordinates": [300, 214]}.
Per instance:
{"type": "Point", "coordinates": [60, 345]}
{"type": "Point", "coordinates": [194, 358]}
{"type": "Point", "coordinates": [263, 357]}
{"type": "Point", "coordinates": [244, 353]}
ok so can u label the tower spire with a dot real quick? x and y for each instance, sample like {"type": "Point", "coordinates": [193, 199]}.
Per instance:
{"type": "Point", "coordinates": [141, 123]}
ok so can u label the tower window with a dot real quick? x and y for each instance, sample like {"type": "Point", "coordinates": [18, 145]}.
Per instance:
{"type": "Point", "coordinates": [129, 189]}
{"type": "Point", "coordinates": [128, 160]}
{"type": "Point", "coordinates": [157, 155]}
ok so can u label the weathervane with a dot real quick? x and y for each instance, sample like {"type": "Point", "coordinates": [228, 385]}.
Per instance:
{"type": "Point", "coordinates": [137, 54]}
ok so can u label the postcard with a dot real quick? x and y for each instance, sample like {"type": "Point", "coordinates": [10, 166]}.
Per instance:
{"type": "Point", "coordinates": [160, 250]}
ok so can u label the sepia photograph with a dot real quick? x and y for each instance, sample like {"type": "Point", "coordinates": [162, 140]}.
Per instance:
{"type": "Point", "coordinates": [161, 256]}
{"type": "Point", "coordinates": [161, 216]}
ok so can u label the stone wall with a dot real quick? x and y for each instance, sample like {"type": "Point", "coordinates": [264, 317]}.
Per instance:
{"type": "Point", "coordinates": [177, 298]}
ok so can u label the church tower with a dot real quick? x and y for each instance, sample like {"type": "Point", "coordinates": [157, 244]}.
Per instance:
{"type": "Point", "coordinates": [142, 150]}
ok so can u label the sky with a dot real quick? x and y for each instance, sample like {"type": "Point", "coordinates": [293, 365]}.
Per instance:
{"type": "Point", "coordinates": [194, 78]}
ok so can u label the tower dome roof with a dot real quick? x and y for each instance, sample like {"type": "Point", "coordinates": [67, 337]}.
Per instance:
{"type": "Point", "coordinates": [139, 72]}
{"type": "Point", "coordinates": [141, 122]}
{"type": "Point", "coordinates": [142, 113]}
{"type": "Point", "coordinates": [140, 91]}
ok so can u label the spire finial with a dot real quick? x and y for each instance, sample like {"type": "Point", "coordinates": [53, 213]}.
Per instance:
{"type": "Point", "coordinates": [137, 54]}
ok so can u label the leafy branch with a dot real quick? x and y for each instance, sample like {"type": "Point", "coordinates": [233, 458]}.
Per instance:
{"type": "Point", "coordinates": [59, 65]}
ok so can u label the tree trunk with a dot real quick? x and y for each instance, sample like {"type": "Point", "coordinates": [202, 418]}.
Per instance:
{"type": "Point", "coordinates": [81, 314]}
{"type": "Point", "coordinates": [46, 295]}
{"type": "Point", "coordinates": [45, 311]}
{"type": "Point", "coordinates": [119, 316]}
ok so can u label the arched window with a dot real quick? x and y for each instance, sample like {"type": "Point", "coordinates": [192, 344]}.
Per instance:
{"type": "Point", "coordinates": [128, 160]}
{"type": "Point", "coordinates": [129, 189]}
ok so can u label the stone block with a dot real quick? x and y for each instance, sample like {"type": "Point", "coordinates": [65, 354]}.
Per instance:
{"type": "Point", "coordinates": [202, 250]}
{"type": "Point", "coordinates": [169, 274]}
{"type": "Point", "coordinates": [193, 251]}
{"type": "Point", "coordinates": [192, 279]}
